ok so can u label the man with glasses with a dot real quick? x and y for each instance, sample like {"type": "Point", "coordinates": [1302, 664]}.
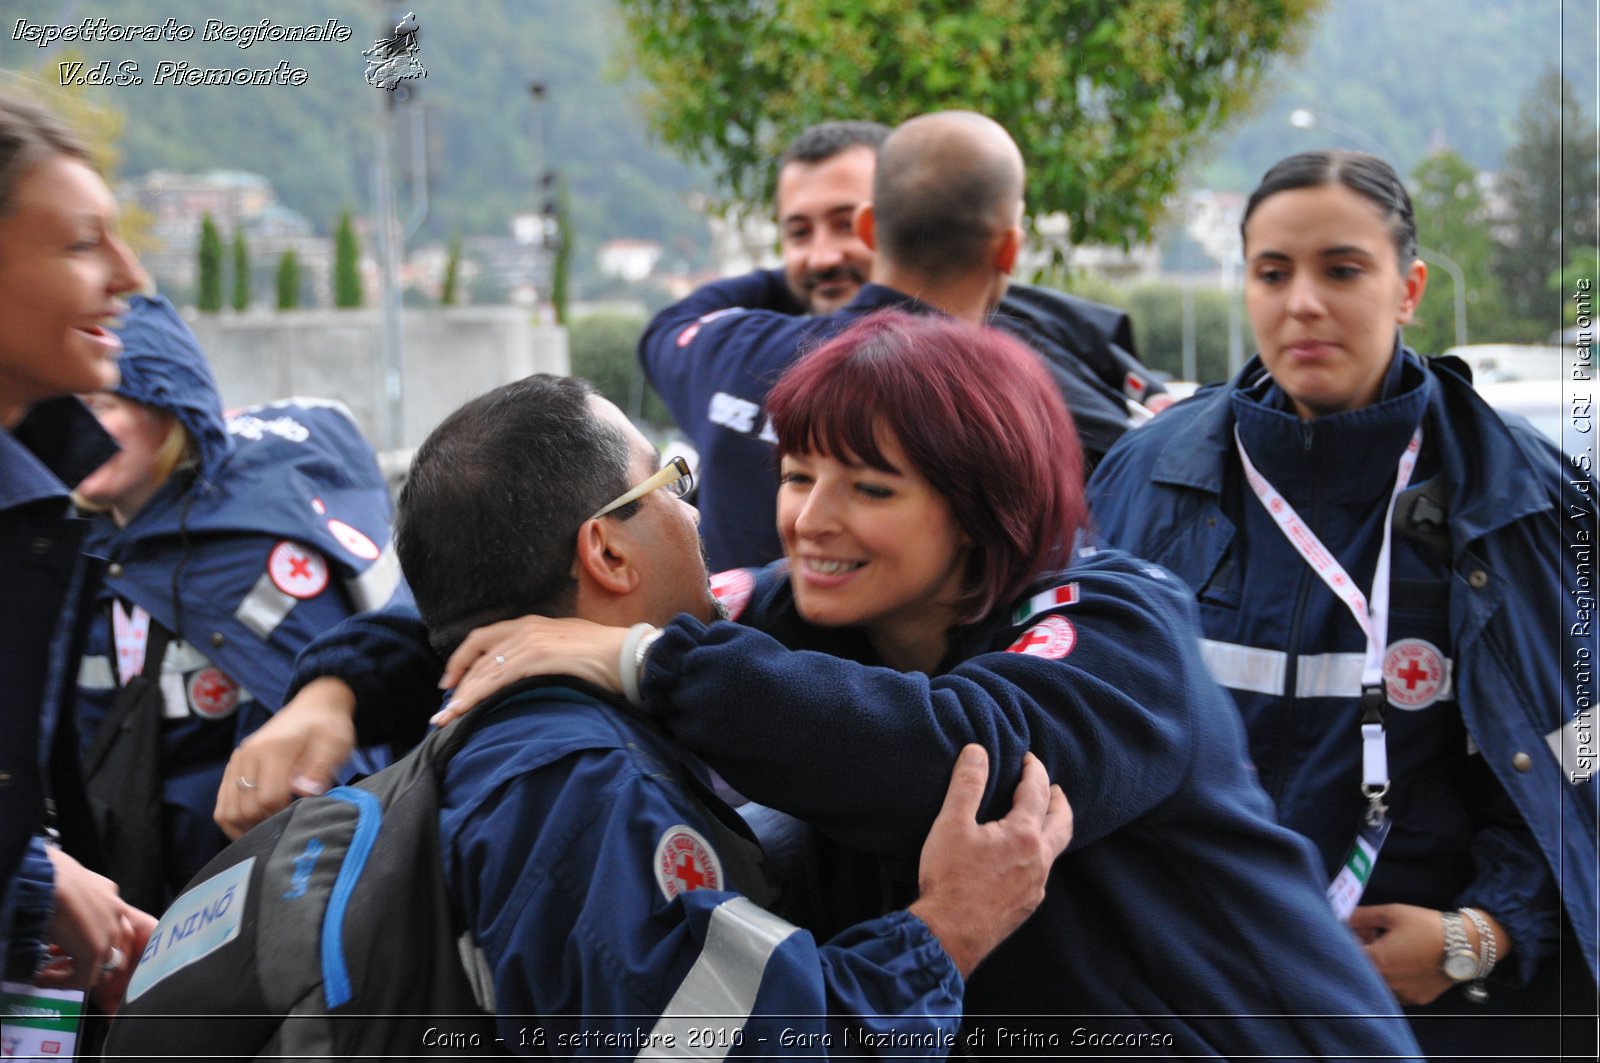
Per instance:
{"type": "Point", "coordinates": [620, 905]}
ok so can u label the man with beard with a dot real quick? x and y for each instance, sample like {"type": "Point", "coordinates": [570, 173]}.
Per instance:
{"type": "Point", "coordinates": [696, 348]}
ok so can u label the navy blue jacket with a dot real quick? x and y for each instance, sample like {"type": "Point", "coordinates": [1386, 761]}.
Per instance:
{"type": "Point", "coordinates": [56, 445]}
{"type": "Point", "coordinates": [713, 357]}
{"type": "Point", "coordinates": [1181, 915]}
{"type": "Point", "coordinates": [1487, 668]}
{"type": "Point", "coordinates": [279, 531]}
{"type": "Point", "coordinates": [615, 900]}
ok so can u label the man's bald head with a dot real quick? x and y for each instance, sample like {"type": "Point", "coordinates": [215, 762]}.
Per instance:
{"type": "Point", "coordinates": [948, 184]}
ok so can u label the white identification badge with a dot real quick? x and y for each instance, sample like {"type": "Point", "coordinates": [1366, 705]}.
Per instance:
{"type": "Point", "coordinates": [199, 923]}
{"type": "Point", "coordinates": [1344, 893]}
{"type": "Point", "coordinates": [39, 1023]}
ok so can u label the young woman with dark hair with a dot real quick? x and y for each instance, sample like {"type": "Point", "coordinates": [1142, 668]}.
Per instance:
{"type": "Point", "coordinates": [1378, 562]}
{"type": "Point", "coordinates": [63, 272]}
{"type": "Point", "coordinates": [934, 594]}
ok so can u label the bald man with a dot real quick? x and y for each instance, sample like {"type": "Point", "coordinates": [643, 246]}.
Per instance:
{"type": "Point", "coordinates": [946, 226]}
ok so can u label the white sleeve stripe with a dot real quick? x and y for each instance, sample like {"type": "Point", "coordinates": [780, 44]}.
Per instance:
{"type": "Point", "coordinates": [1245, 667]}
{"type": "Point", "coordinates": [264, 608]}
{"type": "Point", "coordinates": [723, 982]}
{"type": "Point", "coordinates": [1574, 747]}
{"type": "Point", "coordinates": [375, 586]}
{"type": "Point", "coordinates": [1321, 675]}
{"type": "Point", "coordinates": [94, 672]}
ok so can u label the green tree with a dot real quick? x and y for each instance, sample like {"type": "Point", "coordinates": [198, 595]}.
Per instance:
{"type": "Point", "coordinates": [1548, 184]}
{"type": "Point", "coordinates": [1156, 311]}
{"type": "Point", "coordinates": [449, 293]}
{"type": "Point", "coordinates": [561, 264]}
{"type": "Point", "coordinates": [241, 273]}
{"type": "Point", "coordinates": [346, 264]}
{"type": "Point", "coordinates": [210, 297]}
{"type": "Point", "coordinates": [1452, 217]}
{"type": "Point", "coordinates": [600, 348]}
{"type": "Point", "coordinates": [288, 281]}
{"type": "Point", "coordinates": [1109, 102]}
{"type": "Point", "coordinates": [1573, 280]}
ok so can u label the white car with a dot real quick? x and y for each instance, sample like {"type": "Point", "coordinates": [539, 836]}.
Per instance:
{"type": "Point", "coordinates": [1568, 419]}
{"type": "Point", "coordinates": [1493, 362]}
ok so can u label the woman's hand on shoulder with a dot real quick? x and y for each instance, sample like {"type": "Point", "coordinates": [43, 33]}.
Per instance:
{"type": "Point", "coordinates": [494, 657]}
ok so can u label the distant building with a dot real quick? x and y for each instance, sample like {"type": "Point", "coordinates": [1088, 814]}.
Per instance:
{"type": "Point", "coordinates": [629, 260]}
{"type": "Point", "coordinates": [177, 202]}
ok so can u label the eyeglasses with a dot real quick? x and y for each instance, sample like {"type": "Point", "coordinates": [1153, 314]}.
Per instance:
{"type": "Point", "coordinates": [674, 476]}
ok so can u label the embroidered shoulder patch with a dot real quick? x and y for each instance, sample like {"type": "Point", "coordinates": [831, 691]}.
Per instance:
{"type": "Point", "coordinates": [1066, 594]}
{"type": "Point", "coordinates": [732, 590]}
{"type": "Point", "coordinates": [353, 541]}
{"type": "Point", "coordinates": [1051, 638]}
{"type": "Point", "coordinates": [296, 570]}
{"type": "Point", "coordinates": [1414, 672]}
{"type": "Point", "coordinates": [685, 861]}
{"type": "Point", "coordinates": [212, 694]}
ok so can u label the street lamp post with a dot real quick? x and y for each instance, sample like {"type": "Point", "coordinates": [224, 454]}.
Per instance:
{"type": "Point", "coordinates": [1305, 118]}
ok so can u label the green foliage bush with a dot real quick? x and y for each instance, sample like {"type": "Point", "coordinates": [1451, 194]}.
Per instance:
{"type": "Point", "coordinates": [601, 349]}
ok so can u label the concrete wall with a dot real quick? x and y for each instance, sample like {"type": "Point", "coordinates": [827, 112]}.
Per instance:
{"type": "Point", "coordinates": [451, 355]}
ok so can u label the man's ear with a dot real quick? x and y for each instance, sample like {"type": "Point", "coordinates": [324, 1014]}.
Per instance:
{"type": "Point", "coordinates": [866, 225]}
{"type": "Point", "coordinates": [605, 556]}
{"type": "Point", "coordinates": [1007, 247]}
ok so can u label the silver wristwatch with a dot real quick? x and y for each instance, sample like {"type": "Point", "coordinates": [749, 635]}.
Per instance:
{"type": "Point", "coordinates": [1460, 963]}
{"type": "Point", "coordinates": [1478, 992]}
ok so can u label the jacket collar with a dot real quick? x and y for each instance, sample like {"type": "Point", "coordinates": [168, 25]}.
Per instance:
{"type": "Point", "coordinates": [877, 296]}
{"type": "Point", "coordinates": [57, 444]}
{"type": "Point", "coordinates": [1471, 438]}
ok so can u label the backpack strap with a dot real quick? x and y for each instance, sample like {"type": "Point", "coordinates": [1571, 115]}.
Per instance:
{"type": "Point", "coordinates": [121, 779]}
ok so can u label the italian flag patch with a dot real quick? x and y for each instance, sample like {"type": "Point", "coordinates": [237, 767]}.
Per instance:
{"type": "Point", "coordinates": [1066, 594]}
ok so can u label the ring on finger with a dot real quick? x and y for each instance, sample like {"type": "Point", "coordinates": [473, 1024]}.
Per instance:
{"type": "Point", "coordinates": [114, 964]}
{"type": "Point", "coordinates": [499, 660]}
{"type": "Point", "coordinates": [246, 784]}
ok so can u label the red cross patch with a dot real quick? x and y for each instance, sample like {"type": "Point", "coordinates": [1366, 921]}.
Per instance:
{"type": "Point", "coordinates": [353, 540]}
{"type": "Point", "coordinates": [1413, 670]}
{"type": "Point", "coordinates": [296, 570]}
{"type": "Point", "coordinates": [732, 590]}
{"type": "Point", "coordinates": [212, 694]}
{"type": "Point", "coordinates": [687, 336]}
{"type": "Point", "coordinates": [1052, 637]}
{"type": "Point", "coordinates": [685, 861]}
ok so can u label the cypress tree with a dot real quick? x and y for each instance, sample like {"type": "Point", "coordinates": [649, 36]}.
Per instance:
{"type": "Point", "coordinates": [346, 265]}
{"type": "Point", "coordinates": [210, 296]}
{"type": "Point", "coordinates": [288, 282]}
{"type": "Point", "coordinates": [241, 273]}
{"type": "Point", "coordinates": [452, 268]}
{"type": "Point", "coordinates": [561, 268]}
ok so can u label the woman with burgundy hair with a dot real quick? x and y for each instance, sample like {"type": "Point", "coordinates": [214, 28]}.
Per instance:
{"type": "Point", "coordinates": [935, 594]}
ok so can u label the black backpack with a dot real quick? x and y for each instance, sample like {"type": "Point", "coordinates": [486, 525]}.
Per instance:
{"type": "Point", "coordinates": [327, 932]}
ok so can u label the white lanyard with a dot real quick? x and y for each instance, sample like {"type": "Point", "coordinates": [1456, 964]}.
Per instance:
{"type": "Point", "coordinates": [1373, 620]}
{"type": "Point", "coordinates": [132, 634]}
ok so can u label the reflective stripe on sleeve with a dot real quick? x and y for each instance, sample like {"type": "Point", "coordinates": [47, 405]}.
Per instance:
{"type": "Point", "coordinates": [1245, 667]}
{"type": "Point", "coordinates": [723, 981]}
{"type": "Point", "coordinates": [1574, 748]}
{"type": "Point", "coordinates": [1319, 675]}
{"type": "Point", "coordinates": [375, 586]}
{"type": "Point", "coordinates": [94, 672]}
{"type": "Point", "coordinates": [264, 608]}
{"type": "Point", "coordinates": [174, 695]}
